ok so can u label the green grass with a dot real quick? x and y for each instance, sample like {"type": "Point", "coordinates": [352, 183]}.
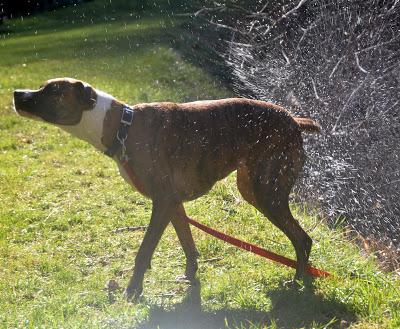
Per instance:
{"type": "Point", "coordinates": [61, 201]}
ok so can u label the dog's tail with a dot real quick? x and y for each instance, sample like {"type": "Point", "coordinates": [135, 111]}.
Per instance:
{"type": "Point", "coordinates": [308, 125]}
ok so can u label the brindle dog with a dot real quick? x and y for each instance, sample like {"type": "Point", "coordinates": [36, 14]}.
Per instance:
{"type": "Point", "coordinates": [179, 151]}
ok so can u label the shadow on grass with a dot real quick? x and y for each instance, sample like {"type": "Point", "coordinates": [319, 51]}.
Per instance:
{"type": "Point", "coordinates": [291, 308]}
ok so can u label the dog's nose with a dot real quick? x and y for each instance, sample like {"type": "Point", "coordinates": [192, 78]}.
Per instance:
{"type": "Point", "coordinates": [23, 100]}
{"type": "Point", "coordinates": [23, 94]}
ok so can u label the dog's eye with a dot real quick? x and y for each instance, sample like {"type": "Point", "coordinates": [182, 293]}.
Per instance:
{"type": "Point", "coordinates": [56, 90]}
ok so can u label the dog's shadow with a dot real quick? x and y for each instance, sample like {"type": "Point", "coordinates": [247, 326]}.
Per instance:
{"type": "Point", "coordinates": [291, 308]}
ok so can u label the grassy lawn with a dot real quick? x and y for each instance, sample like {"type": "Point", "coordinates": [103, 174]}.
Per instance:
{"type": "Point", "coordinates": [61, 202]}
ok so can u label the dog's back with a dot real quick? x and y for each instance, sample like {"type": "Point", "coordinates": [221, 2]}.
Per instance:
{"type": "Point", "coordinates": [202, 142]}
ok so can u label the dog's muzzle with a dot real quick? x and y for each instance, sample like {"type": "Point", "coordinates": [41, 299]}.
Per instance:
{"type": "Point", "coordinates": [22, 97]}
{"type": "Point", "coordinates": [24, 102]}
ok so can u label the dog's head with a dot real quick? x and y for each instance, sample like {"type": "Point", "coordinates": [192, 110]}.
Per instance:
{"type": "Point", "coordinates": [59, 101]}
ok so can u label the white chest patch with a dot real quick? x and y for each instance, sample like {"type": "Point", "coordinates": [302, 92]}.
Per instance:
{"type": "Point", "coordinates": [90, 128]}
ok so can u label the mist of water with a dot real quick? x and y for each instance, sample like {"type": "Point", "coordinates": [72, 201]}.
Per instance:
{"type": "Point", "coordinates": [337, 62]}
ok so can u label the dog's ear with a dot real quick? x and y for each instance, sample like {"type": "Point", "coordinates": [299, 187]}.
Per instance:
{"type": "Point", "coordinates": [86, 94]}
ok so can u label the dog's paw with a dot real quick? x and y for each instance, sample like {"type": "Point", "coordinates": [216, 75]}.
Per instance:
{"type": "Point", "coordinates": [190, 271]}
{"type": "Point", "coordinates": [133, 293]}
{"type": "Point", "coordinates": [111, 286]}
{"type": "Point", "coordinates": [292, 284]}
{"type": "Point", "coordinates": [182, 278]}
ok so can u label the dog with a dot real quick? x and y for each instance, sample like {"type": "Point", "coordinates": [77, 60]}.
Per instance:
{"type": "Point", "coordinates": [179, 151]}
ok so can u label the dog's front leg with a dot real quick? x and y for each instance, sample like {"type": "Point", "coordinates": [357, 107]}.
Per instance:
{"type": "Point", "coordinates": [186, 239]}
{"type": "Point", "coordinates": [161, 215]}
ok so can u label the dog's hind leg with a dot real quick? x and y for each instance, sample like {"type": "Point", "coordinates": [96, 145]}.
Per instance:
{"type": "Point", "coordinates": [162, 213]}
{"type": "Point", "coordinates": [186, 239]}
{"type": "Point", "coordinates": [266, 184]}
